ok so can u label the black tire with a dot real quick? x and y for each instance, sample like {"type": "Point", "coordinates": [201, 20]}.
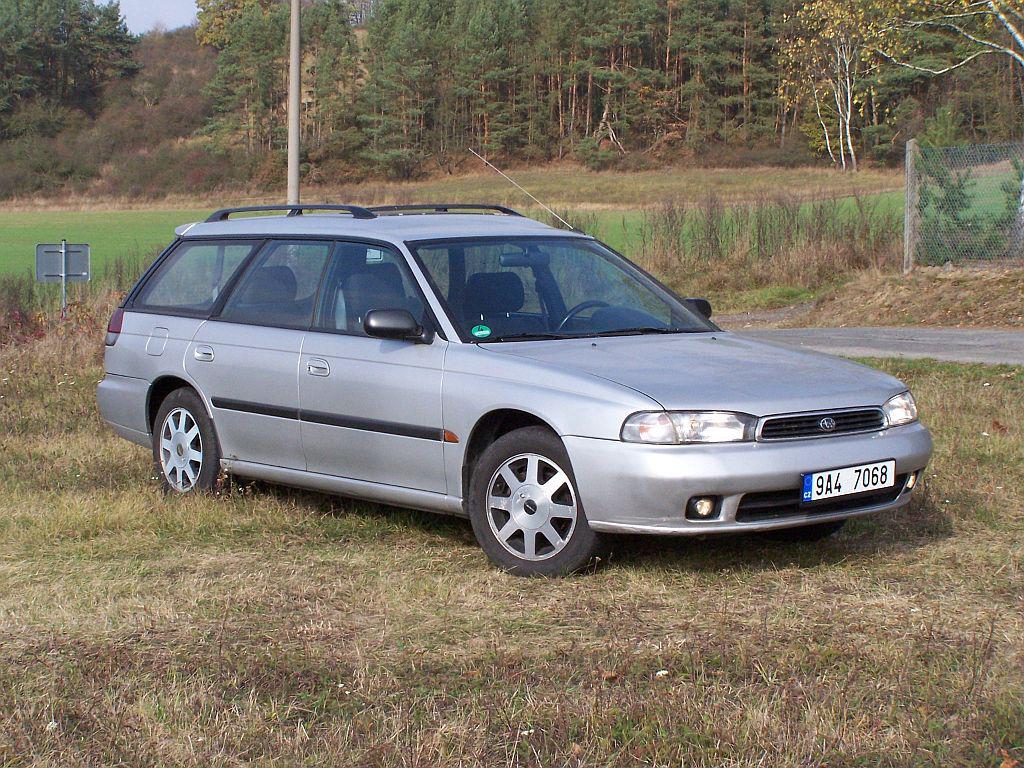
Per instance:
{"type": "Point", "coordinates": [806, 533]}
{"type": "Point", "coordinates": [580, 544]}
{"type": "Point", "coordinates": [207, 470]}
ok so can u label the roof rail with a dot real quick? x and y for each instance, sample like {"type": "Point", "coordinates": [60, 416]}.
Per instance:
{"type": "Point", "coordinates": [443, 208]}
{"type": "Point", "coordinates": [357, 212]}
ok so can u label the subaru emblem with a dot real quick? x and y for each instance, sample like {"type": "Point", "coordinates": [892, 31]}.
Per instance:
{"type": "Point", "coordinates": [828, 424]}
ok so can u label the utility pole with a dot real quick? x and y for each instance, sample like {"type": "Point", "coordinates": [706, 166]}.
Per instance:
{"type": "Point", "coordinates": [294, 104]}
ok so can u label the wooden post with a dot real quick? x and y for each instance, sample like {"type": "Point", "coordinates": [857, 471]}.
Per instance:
{"type": "Point", "coordinates": [911, 215]}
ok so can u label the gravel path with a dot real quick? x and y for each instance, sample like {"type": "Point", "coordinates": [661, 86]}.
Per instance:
{"type": "Point", "coordinates": [964, 345]}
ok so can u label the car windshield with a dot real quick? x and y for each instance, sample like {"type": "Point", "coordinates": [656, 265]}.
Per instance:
{"type": "Point", "coordinates": [519, 289]}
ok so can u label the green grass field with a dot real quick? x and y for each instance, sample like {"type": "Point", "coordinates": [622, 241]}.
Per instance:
{"type": "Point", "coordinates": [112, 234]}
{"type": "Point", "coordinates": [139, 235]}
{"type": "Point", "coordinates": [116, 234]}
{"type": "Point", "coordinates": [271, 627]}
{"type": "Point", "coordinates": [610, 204]}
{"type": "Point", "coordinates": [143, 233]}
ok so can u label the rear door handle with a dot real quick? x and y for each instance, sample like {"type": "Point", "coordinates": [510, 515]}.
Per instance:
{"type": "Point", "coordinates": [317, 367]}
{"type": "Point", "coordinates": [203, 353]}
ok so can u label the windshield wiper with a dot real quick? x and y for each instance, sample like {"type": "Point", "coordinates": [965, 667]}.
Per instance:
{"type": "Point", "coordinates": [644, 329]}
{"type": "Point", "coordinates": [534, 336]}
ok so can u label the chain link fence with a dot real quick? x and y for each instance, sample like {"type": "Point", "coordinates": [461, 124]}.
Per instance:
{"type": "Point", "coordinates": [965, 205]}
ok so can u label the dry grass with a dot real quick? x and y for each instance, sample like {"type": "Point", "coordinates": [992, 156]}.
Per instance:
{"type": "Point", "coordinates": [273, 627]}
{"type": "Point", "coordinates": [928, 296]}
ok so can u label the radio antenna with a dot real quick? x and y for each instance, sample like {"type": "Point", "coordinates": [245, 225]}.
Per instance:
{"type": "Point", "coordinates": [520, 187]}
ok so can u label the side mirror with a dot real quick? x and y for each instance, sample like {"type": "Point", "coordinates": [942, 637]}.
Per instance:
{"type": "Point", "coordinates": [396, 324]}
{"type": "Point", "coordinates": [701, 306]}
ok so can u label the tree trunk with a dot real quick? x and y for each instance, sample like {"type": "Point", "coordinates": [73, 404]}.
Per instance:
{"type": "Point", "coordinates": [849, 118]}
{"type": "Point", "coordinates": [745, 66]}
{"type": "Point", "coordinates": [824, 128]}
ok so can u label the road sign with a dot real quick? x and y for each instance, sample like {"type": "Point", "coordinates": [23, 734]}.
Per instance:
{"type": "Point", "coordinates": [50, 265]}
{"type": "Point", "coordinates": [62, 263]}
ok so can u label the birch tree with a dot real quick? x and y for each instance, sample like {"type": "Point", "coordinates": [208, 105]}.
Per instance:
{"type": "Point", "coordinates": [826, 58]}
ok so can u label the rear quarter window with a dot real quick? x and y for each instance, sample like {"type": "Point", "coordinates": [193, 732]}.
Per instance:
{"type": "Point", "coordinates": [193, 277]}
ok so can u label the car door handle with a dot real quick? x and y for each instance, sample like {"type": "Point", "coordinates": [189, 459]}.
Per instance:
{"type": "Point", "coordinates": [203, 353]}
{"type": "Point", "coordinates": [317, 367]}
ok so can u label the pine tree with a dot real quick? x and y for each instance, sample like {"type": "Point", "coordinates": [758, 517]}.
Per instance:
{"type": "Point", "coordinates": [248, 90]}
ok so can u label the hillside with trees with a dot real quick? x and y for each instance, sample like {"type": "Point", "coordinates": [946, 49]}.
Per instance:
{"type": "Point", "coordinates": [401, 88]}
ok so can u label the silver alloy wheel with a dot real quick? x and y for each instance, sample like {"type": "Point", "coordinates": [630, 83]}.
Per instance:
{"type": "Point", "coordinates": [531, 507]}
{"type": "Point", "coordinates": [181, 450]}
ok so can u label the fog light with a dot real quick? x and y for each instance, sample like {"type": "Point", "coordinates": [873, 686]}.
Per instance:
{"type": "Point", "coordinates": [911, 482]}
{"type": "Point", "coordinates": [702, 507]}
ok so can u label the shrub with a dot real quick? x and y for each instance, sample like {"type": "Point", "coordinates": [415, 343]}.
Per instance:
{"type": "Point", "coordinates": [174, 166]}
{"type": "Point", "coordinates": [594, 155]}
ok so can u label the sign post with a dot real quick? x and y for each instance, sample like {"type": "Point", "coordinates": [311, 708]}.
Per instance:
{"type": "Point", "coordinates": [64, 277]}
{"type": "Point", "coordinates": [63, 263]}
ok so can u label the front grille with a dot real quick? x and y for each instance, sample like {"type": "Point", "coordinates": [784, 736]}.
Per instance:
{"type": "Point", "coordinates": [810, 424]}
{"type": "Point", "coordinates": [770, 505]}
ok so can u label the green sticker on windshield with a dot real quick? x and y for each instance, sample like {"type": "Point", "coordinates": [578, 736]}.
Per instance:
{"type": "Point", "coordinates": [481, 331]}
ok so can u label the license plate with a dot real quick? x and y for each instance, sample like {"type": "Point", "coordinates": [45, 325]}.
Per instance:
{"type": "Point", "coordinates": [847, 481]}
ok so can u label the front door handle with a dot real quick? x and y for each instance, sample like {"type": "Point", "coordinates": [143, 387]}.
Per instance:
{"type": "Point", "coordinates": [203, 354]}
{"type": "Point", "coordinates": [317, 367]}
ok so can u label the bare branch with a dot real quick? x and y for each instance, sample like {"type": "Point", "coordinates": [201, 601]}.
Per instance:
{"type": "Point", "coordinates": [993, 46]}
{"type": "Point", "coordinates": [916, 68]}
{"type": "Point", "coordinates": [949, 16]}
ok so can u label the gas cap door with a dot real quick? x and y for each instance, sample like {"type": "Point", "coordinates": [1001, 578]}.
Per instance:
{"type": "Point", "coordinates": [157, 341]}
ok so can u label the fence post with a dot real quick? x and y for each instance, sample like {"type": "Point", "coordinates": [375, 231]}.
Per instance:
{"type": "Point", "coordinates": [910, 212]}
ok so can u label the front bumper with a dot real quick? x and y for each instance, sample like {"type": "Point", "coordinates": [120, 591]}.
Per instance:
{"type": "Point", "coordinates": [634, 488]}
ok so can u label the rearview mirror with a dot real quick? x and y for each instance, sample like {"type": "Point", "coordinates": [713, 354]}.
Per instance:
{"type": "Point", "coordinates": [701, 306]}
{"type": "Point", "coordinates": [525, 258]}
{"type": "Point", "coordinates": [396, 324]}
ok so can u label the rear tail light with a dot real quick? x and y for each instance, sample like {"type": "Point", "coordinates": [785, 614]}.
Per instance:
{"type": "Point", "coordinates": [114, 326]}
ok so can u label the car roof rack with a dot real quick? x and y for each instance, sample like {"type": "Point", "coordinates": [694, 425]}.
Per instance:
{"type": "Point", "coordinates": [428, 208]}
{"type": "Point", "coordinates": [357, 212]}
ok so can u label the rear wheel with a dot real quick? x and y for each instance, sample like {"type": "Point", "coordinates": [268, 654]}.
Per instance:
{"type": "Point", "coordinates": [806, 533]}
{"type": "Point", "coordinates": [185, 445]}
{"type": "Point", "coordinates": [525, 508]}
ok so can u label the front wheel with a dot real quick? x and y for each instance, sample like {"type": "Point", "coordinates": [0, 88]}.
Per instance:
{"type": "Point", "coordinates": [525, 508]}
{"type": "Point", "coordinates": [185, 445]}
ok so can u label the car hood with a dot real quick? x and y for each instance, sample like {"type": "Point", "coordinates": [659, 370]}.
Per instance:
{"type": "Point", "coordinates": [716, 371]}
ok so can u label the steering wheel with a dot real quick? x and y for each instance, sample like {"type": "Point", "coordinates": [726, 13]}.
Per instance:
{"type": "Point", "coordinates": [583, 306]}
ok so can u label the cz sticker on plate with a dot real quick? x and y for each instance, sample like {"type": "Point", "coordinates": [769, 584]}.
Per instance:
{"type": "Point", "coordinates": [847, 481]}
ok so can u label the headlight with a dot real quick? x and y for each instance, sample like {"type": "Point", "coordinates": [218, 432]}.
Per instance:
{"type": "Point", "coordinates": [678, 427]}
{"type": "Point", "coordinates": [900, 409]}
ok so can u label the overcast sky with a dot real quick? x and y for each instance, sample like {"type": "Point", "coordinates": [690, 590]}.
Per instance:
{"type": "Point", "coordinates": [144, 15]}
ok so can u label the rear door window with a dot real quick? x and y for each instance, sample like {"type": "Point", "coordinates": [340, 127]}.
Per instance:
{"type": "Point", "coordinates": [279, 287]}
{"type": "Point", "coordinates": [192, 278]}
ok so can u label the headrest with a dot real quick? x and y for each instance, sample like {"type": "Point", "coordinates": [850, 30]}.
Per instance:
{"type": "Point", "coordinates": [494, 293]}
{"type": "Point", "coordinates": [272, 285]}
{"type": "Point", "coordinates": [379, 280]}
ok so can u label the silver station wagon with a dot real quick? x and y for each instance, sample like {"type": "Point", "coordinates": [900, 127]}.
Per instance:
{"type": "Point", "coordinates": [471, 361]}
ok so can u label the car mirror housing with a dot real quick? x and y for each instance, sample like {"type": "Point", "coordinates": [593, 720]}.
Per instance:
{"type": "Point", "coordinates": [398, 324]}
{"type": "Point", "coordinates": [701, 306]}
